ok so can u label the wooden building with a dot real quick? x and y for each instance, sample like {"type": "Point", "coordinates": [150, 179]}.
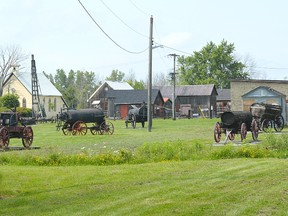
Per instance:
{"type": "Point", "coordinates": [192, 100]}
{"type": "Point", "coordinates": [120, 101]}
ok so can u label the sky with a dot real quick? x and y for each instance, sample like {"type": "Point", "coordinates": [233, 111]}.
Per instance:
{"type": "Point", "coordinates": [61, 34]}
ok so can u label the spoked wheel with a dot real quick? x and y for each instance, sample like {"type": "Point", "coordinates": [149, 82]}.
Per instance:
{"type": "Point", "coordinates": [4, 138]}
{"type": "Point", "coordinates": [231, 135]}
{"type": "Point", "coordinates": [79, 128]}
{"type": "Point", "coordinates": [266, 125]}
{"type": "Point", "coordinates": [254, 129]}
{"type": "Point", "coordinates": [133, 121]}
{"type": "Point", "coordinates": [67, 129]}
{"type": "Point", "coordinates": [27, 138]}
{"type": "Point", "coordinates": [278, 123]}
{"type": "Point", "coordinates": [58, 125]}
{"type": "Point", "coordinates": [243, 131]}
{"type": "Point", "coordinates": [107, 128]}
{"type": "Point", "coordinates": [217, 132]}
{"type": "Point", "coordinates": [95, 130]}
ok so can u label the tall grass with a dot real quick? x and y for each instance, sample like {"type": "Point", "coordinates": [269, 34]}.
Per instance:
{"type": "Point", "coordinates": [169, 141]}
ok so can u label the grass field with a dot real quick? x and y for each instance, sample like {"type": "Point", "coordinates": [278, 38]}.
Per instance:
{"type": "Point", "coordinates": [202, 185]}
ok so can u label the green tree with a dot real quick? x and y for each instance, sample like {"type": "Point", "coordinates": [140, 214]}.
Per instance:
{"type": "Point", "coordinates": [212, 65]}
{"type": "Point", "coordinates": [10, 101]}
{"type": "Point", "coordinates": [75, 87]}
{"type": "Point", "coordinates": [116, 76]}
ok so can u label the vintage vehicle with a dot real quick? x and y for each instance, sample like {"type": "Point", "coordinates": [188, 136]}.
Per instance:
{"type": "Point", "coordinates": [137, 115]}
{"type": "Point", "coordinates": [267, 116]}
{"type": "Point", "coordinates": [76, 122]}
{"type": "Point", "coordinates": [12, 127]}
{"type": "Point", "coordinates": [235, 123]}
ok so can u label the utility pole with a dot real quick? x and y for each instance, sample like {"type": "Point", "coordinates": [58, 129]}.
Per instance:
{"type": "Point", "coordinates": [149, 114]}
{"type": "Point", "coordinates": [173, 77]}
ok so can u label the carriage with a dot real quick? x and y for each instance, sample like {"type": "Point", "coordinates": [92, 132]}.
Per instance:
{"type": "Point", "coordinates": [78, 122]}
{"type": "Point", "coordinates": [137, 115]}
{"type": "Point", "coordinates": [12, 127]}
{"type": "Point", "coordinates": [267, 116]}
{"type": "Point", "coordinates": [233, 123]}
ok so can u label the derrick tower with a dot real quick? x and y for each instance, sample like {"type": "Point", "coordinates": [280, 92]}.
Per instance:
{"type": "Point", "coordinates": [37, 111]}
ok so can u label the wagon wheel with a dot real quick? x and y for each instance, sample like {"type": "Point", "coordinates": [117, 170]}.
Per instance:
{"type": "Point", "coordinates": [95, 130]}
{"type": "Point", "coordinates": [266, 125]}
{"type": "Point", "coordinates": [231, 135]}
{"type": "Point", "coordinates": [133, 121]}
{"type": "Point", "coordinates": [59, 125]}
{"type": "Point", "coordinates": [79, 128]}
{"type": "Point", "coordinates": [254, 129]}
{"type": "Point", "coordinates": [243, 131]}
{"type": "Point", "coordinates": [107, 128]}
{"type": "Point", "coordinates": [27, 137]}
{"type": "Point", "coordinates": [217, 132]}
{"type": "Point", "coordinates": [278, 123]}
{"type": "Point", "coordinates": [4, 138]}
{"type": "Point", "coordinates": [66, 129]}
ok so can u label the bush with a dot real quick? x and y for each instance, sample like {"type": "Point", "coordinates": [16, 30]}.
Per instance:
{"type": "Point", "coordinates": [24, 112]}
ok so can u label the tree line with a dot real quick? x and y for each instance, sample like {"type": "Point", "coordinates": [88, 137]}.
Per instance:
{"type": "Point", "coordinates": [213, 64]}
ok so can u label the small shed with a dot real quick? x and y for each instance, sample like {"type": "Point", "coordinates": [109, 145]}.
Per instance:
{"type": "Point", "coordinates": [200, 98]}
{"type": "Point", "coordinates": [120, 101]}
{"type": "Point", "coordinates": [99, 97]}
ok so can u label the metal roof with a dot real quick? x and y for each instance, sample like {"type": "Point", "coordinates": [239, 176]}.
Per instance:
{"type": "Point", "coordinates": [223, 95]}
{"type": "Point", "coordinates": [46, 87]}
{"type": "Point", "coordinates": [119, 85]}
{"type": "Point", "coordinates": [132, 96]}
{"type": "Point", "coordinates": [187, 90]}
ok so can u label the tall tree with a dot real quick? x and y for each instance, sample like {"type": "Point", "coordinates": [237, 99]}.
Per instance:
{"type": "Point", "coordinates": [10, 57]}
{"type": "Point", "coordinates": [212, 65]}
{"type": "Point", "coordinates": [116, 75]}
{"type": "Point", "coordinates": [76, 87]}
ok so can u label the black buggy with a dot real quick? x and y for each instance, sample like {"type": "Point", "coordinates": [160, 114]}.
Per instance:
{"type": "Point", "coordinates": [137, 115]}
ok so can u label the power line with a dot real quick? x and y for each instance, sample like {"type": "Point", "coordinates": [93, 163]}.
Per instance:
{"type": "Point", "coordinates": [122, 20]}
{"type": "Point", "coordinates": [107, 34]}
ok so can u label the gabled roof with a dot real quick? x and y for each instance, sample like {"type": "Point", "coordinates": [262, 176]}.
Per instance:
{"type": "Point", "coordinates": [132, 96]}
{"type": "Point", "coordinates": [46, 87]}
{"type": "Point", "coordinates": [187, 90]}
{"type": "Point", "coordinates": [223, 95]}
{"type": "Point", "coordinates": [113, 86]}
{"type": "Point", "coordinates": [262, 91]}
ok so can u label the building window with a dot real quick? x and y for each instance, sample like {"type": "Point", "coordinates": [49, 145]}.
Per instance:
{"type": "Point", "coordinates": [55, 102]}
{"type": "Point", "coordinates": [49, 105]}
{"type": "Point", "coordinates": [24, 102]}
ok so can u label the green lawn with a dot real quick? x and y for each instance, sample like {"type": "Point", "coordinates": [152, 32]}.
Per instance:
{"type": "Point", "coordinates": [239, 186]}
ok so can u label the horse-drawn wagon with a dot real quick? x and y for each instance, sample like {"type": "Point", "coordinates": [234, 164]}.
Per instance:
{"type": "Point", "coordinates": [137, 115]}
{"type": "Point", "coordinates": [233, 123]}
{"type": "Point", "coordinates": [12, 127]}
{"type": "Point", "coordinates": [76, 122]}
{"type": "Point", "coordinates": [267, 116]}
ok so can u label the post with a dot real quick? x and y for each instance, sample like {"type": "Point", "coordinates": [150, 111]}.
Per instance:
{"type": "Point", "coordinates": [150, 77]}
{"type": "Point", "coordinates": [173, 77]}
